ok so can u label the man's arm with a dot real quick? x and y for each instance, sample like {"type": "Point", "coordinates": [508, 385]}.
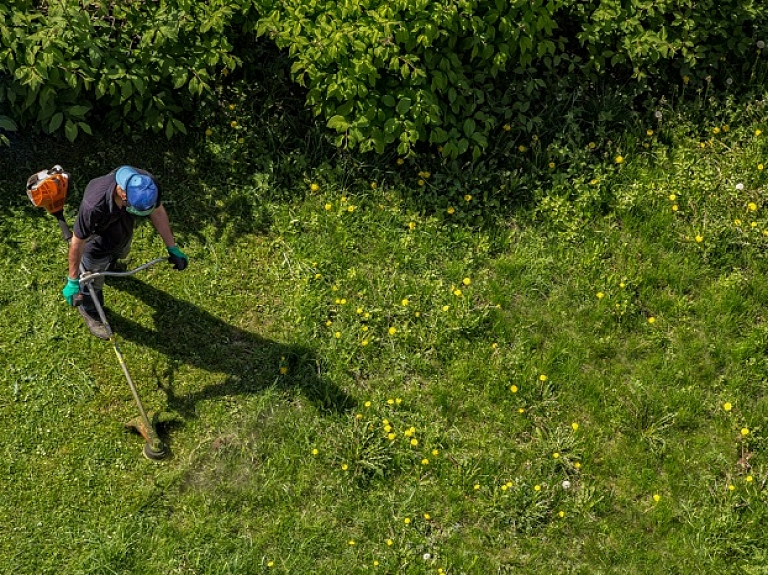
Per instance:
{"type": "Point", "coordinates": [159, 219]}
{"type": "Point", "coordinates": [76, 249]}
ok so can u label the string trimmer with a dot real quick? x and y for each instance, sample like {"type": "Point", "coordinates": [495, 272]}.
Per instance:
{"type": "Point", "coordinates": [48, 189]}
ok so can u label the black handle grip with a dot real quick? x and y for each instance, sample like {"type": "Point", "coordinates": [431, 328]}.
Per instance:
{"type": "Point", "coordinates": [65, 233]}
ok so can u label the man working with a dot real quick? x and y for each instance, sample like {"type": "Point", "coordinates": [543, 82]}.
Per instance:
{"type": "Point", "coordinates": [104, 230]}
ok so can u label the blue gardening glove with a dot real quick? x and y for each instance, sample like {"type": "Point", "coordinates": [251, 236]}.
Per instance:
{"type": "Point", "coordinates": [178, 258]}
{"type": "Point", "coordinates": [71, 290]}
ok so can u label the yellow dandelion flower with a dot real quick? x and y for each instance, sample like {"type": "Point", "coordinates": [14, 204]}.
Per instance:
{"type": "Point", "coordinates": [675, 207]}
{"type": "Point", "coordinates": [744, 431]}
{"type": "Point", "coordinates": [494, 345]}
{"type": "Point", "coordinates": [314, 187]}
{"type": "Point", "coordinates": [411, 225]}
{"type": "Point", "coordinates": [283, 370]}
{"type": "Point", "coordinates": [427, 516]}
{"type": "Point", "coordinates": [521, 148]}
{"type": "Point", "coordinates": [556, 455]}
{"type": "Point", "coordinates": [359, 416]}
{"type": "Point", "coordinates": [577, 465]}
{"type": "Point", "coordinates": [537, 487]}
{"type": "Point", "coordinates": [672, 197]}
{"type": "Point", "coordinates": [451, 210]}
{"type": "Point", "coordinates": [715, 130]}
{"type": "Point", "coordinates": [752, 206]}
{"type": "Point", "coordinates": [391, 436]}
{"type": "Point", "coordinates": [315, 451]}
{"type": "Point", "coordinates": [467, 198]}
{"type": "Point", "coordinates": [392, 331]}
{"type": "Point", "coordinates": [600, 295]}
{"type": "Point", "coordinates": [551, 165]}
{"type": "Point", "coordinates": [504, 487]}
{"type": "Point", "coordinates": [758, 132]}
{"type": "Point", "coordinates": [542, 377]}
{"type": "Point", "coordinates": [561, 514]}
{"type": "Point", "coordinates": [749, 478]}
{"type": "Point", "coordinates": [731, 487]}
{"type": "Point", "coordinates": [760, 167]}
{"type": "Point", "coordinates": [435, 452]}
{"type": "Point", "coordinates": [619, 159]}
{"type": "Point", "coordinates": [686, 79]}
{"type": "Point", "coordinates": [457, 292]}
{"type": "Point", "coordinates": [649, 133]}
{"type": "Point", "coordinates": [651, 320]}
{"type": "Point", "coordinates": [592, 145]}
{"type": "Point", "coordinates": [699, 239]}
{"type": "Point", "coordinates": [445, 307]}
{"type": "Point", "coordinates": [425, 461]}
{"type": "Point", "coordinates": [727, 406]}
{"type": "Point", "coordinates": [422, 182]}
{"type": "Point", "coordinates": [656, 497]}
{"type": "Point", "coordinates": [270, 564]}
{"type": "Point", "coordinates": [507, 127]}
{"type": "Point", "coordinates": [466, 281]}
{"type": "Point", "coordinates": [521, 410]}
{"type": "Point", "coordinates": [337, 334]}
{"type": "Point", "coordinates": [367, 404]}
{"type": "Point", "coordinates": [414, 442]}
{"type": "Point", "coordinates": [364, 328]}
{"type": "Point", "coordinates": [400, 161]}
{"type": "Point", "coordinates": [373, 185]}
{"type": "Point", "coordinates": [208, 132]}
{"type": "Point", "coordinates": [233, 123]}
{"type": "Point", "coordinates": [753, 224]}
{"type": "Point", "coordinates": [476, 486]}
{"type": "Point", "coordinates": [351, 208]}
{"type": "Point", "coordinates": [389, 543]}
{"type": "Point", "coordinates": [351, 541]}
{"type": "Point", "coordinates": [594, 181]}
{"type": "Point", "coordinates": [407, 520]}
{"type": "Point", "coordinates": [344, 466]}
{"type": "Point", "coordinates": [513, 388]}
{"type": "Point", "coordinates": [417, 314]}
{"type": "Point", "coordinates": [726, 128]}
{"type": "Point", "coordinates": [390, 401]}
{"type": "Point", "coordinates": [737, 221]}
{"type": "Point", "coordinates": [404, 301]}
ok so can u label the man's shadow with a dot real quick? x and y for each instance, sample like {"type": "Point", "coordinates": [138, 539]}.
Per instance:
{"type": "Point", "coordinates": [188, 335]}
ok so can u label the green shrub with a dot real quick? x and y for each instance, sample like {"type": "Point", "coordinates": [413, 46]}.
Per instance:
{"type": "Point", "coordinates": [142, 63]}
{"type": "Point", "coordinates": [402, 72]}
{"type": "Point", "coordinates": [448, 72]}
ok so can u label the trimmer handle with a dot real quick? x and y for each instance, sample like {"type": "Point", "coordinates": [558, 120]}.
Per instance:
{"type": "Point", "coordinates": [65, 233]}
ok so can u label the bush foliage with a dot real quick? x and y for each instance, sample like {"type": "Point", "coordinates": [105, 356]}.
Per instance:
{"type": "Point", "coordinates": [381, 73]}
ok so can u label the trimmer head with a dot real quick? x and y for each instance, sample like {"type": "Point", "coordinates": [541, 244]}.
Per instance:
{"type": "Point", "coordinates": [154, 448]}
{"type": "Point", "coordinates": [48, 189]}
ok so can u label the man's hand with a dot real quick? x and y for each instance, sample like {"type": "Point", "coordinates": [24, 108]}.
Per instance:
{"type": "Point", "coordinates": [178, 258]}
{"type": "Point", "coordinates": [71, 290]}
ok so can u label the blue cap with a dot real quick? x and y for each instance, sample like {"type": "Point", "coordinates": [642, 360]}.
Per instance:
{"type": "Point", "coordinates": [140, 189]}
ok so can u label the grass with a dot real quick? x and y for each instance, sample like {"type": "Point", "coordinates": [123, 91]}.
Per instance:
{"type": "Point", "coordinates": [402, 378]}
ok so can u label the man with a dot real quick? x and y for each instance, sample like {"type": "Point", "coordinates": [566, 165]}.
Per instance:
{"type": "Point", "coordinates": [104, 229]}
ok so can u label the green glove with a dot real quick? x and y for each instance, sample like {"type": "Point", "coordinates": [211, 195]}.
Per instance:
{"type": "Point", "coordinates": [71, 290]}
{"type": "Point", "coordinates": [178, 258]}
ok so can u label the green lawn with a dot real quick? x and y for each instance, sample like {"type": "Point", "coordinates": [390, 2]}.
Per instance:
{"type": "Point", "coordinates": [370, 375]}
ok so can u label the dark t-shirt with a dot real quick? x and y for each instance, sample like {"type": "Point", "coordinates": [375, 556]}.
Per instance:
{"type": "Point", "coordinates": [99, 218]}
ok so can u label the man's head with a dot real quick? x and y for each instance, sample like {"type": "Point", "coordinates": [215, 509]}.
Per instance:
{"type": "Point", "coordinates": [140, 191]}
